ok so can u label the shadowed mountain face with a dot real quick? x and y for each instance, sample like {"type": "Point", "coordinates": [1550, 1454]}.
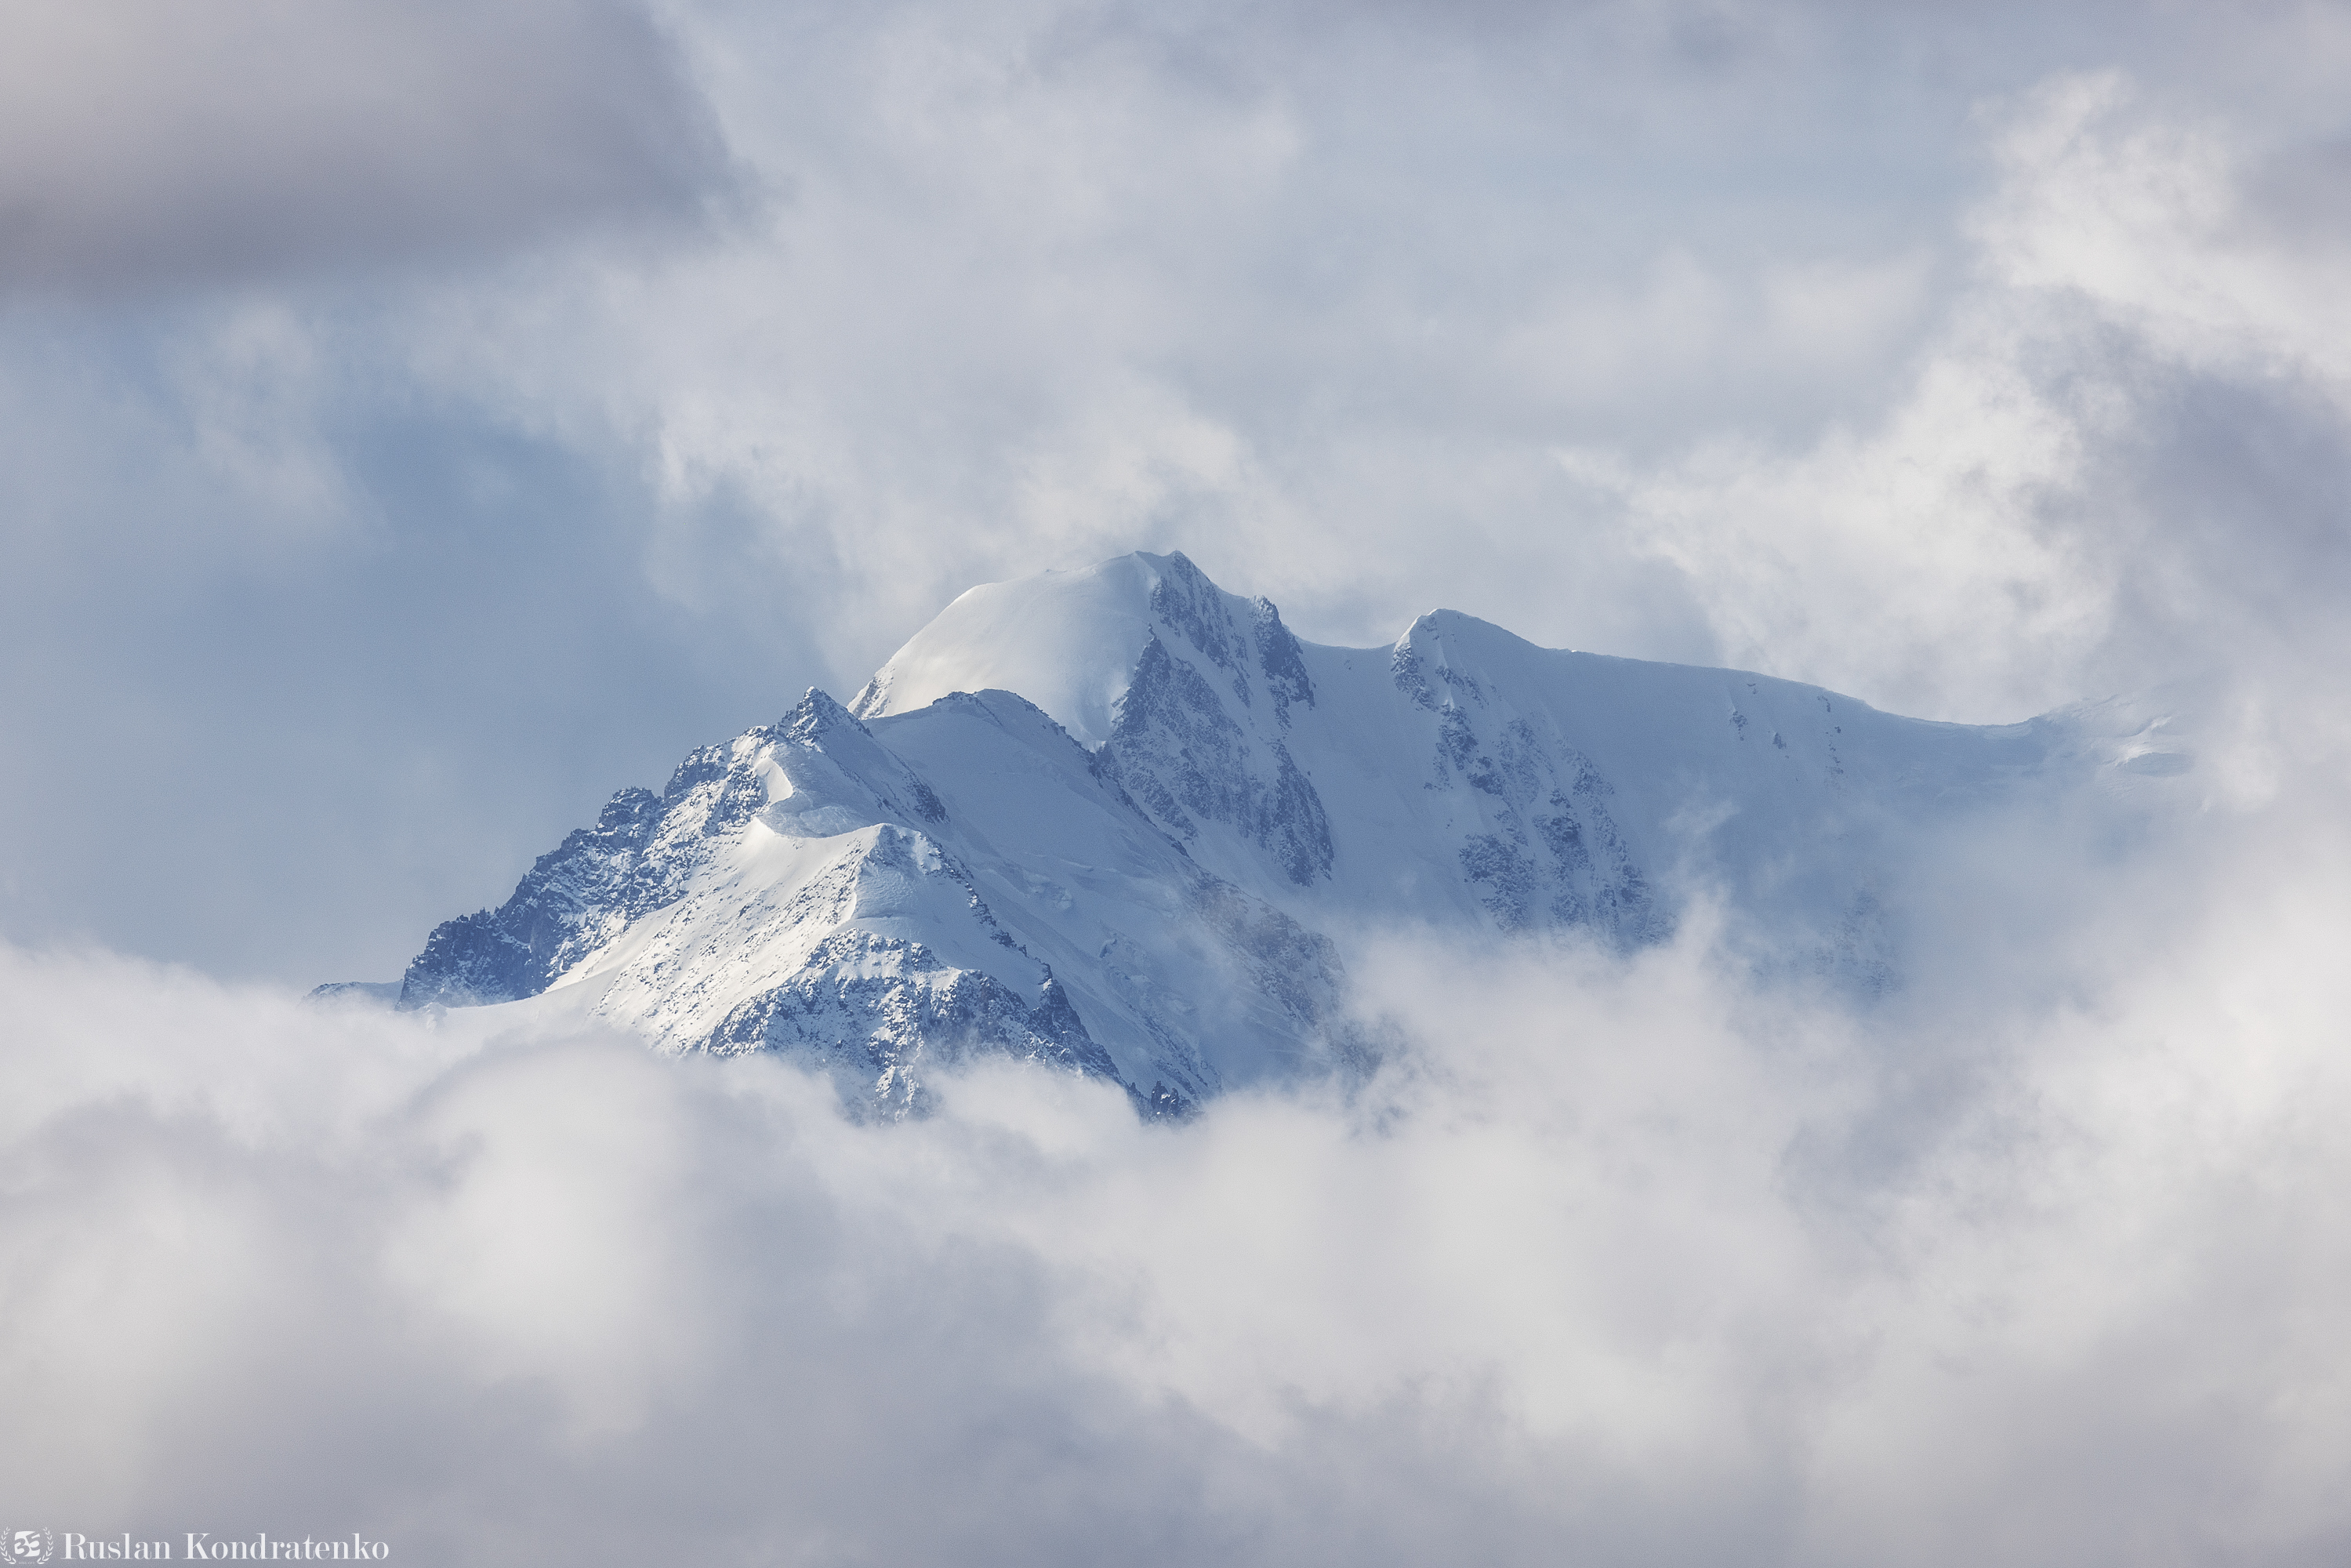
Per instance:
{"type": "Point", "coordinates": [1102, 820]}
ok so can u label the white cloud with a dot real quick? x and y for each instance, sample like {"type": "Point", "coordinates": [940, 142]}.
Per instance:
{"type": "Point", "coordinates": [1644, 1258]}
{"type": "Point", "coordinates": [1994, 543]}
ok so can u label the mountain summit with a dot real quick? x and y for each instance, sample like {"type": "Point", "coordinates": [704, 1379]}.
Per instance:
{"type": "Point", "coordinates": [1105, 819]}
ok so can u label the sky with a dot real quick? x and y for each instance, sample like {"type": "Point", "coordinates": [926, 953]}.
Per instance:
{"type": "Point", "coordinates": [418, 421]}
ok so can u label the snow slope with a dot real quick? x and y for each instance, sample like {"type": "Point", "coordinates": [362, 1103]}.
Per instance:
{"type": "Point", "coordinates": [1127, 868]}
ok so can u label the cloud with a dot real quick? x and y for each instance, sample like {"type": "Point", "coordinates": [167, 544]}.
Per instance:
{"type": "Point", "coordinates": [406, 567]}
{"type": "Point", "coordinates": [165, 143]}
{"type": "Point", "coordinates": [2108, 467]}
{"type": "Point", "coordinates": [1639, 1261]}
{"type": "Point", "coordinates": [1060, 281]}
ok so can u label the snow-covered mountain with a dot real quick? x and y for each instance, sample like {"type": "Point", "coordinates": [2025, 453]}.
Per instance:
{"type": "Point", "coordinates": [1110, 819]}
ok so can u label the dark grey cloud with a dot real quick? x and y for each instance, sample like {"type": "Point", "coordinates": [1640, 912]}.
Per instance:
{"type": "Point", "coordinates": [162, 143]}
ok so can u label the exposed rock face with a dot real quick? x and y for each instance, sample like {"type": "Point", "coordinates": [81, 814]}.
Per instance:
{"type": "Point", "coordinates": [877, 1012]}
{"type": "Point", "coordinates": [1132, 880]}
{"type": "Point", "coordinates": [1552, 855]}
{"type": "Point", "coordinates": [576, 897]}
{"type": "Point", "coordinates": [1198, 734]}
{"type": "Point", "coordinates": [1181, 755]}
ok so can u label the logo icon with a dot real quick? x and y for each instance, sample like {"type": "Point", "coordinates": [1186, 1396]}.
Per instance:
{"type": "Point", "coordinates": [26, 1546]}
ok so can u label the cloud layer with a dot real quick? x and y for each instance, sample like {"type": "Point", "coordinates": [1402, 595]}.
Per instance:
{"type": "Point", "coordinates": [1632, 1262]}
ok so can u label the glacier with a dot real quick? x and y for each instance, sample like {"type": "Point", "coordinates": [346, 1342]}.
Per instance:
{"type": "Point", "coordinates": [1123, 822]}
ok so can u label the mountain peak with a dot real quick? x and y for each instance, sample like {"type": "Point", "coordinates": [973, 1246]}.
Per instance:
{"type": "Point", "coordinates": [1102, 819]}
{"type": "Point", "coordinates": [1067, 641]}
{"type": "Point", "coordinates": [817, 714]}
